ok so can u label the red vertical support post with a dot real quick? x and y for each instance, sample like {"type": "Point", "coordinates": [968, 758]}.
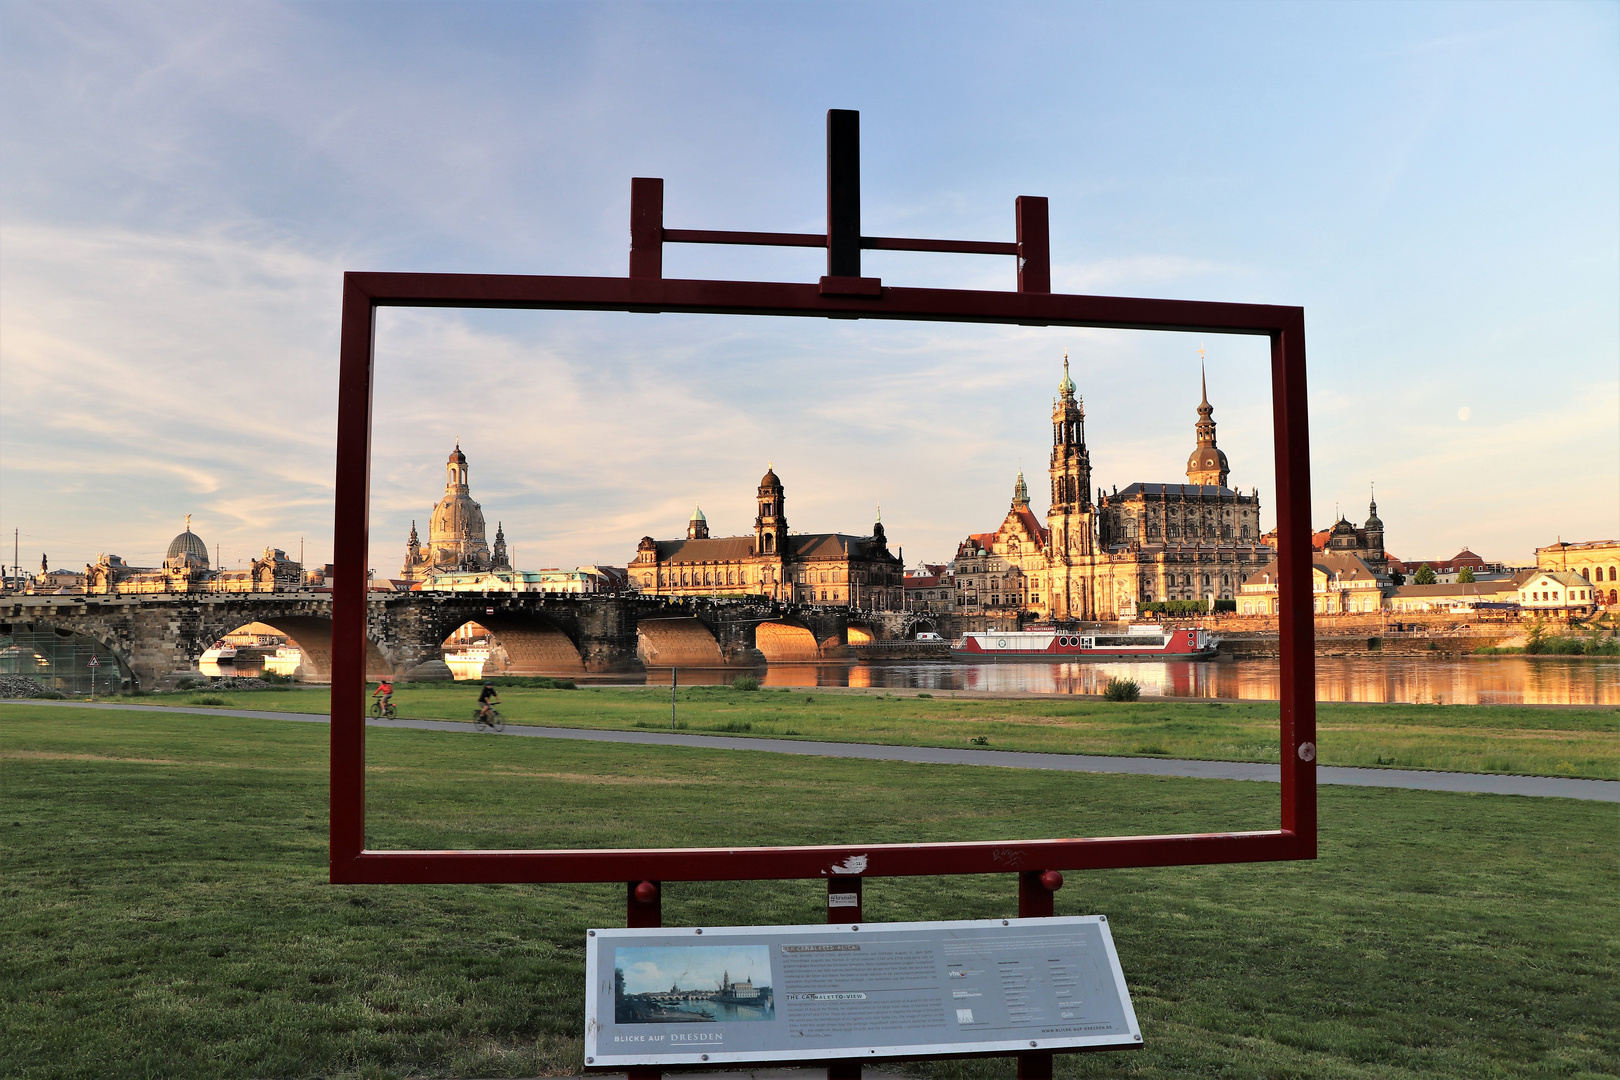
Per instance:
{"type": "Point", "coordinates": [646, 227]}
{"type": "Point", "coordinates": [1296, 620]}
{"type": "Point", "coordinates": [350, 536]}
{"type": "Point", "coordinates": [843, 193]}
{"type": "Point", "coordinates": [643, 907]}
{"type": "Point", "coordinates": [1034, 245]}
{"type": "Point", "coordinates": [843, 906]}
{"type": "Point", "coordinates": [1036, 901]}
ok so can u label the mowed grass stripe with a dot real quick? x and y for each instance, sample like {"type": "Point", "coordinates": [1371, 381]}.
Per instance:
{"type": "Point", "coordinates": [1575, 742]}
{"type": "Point", "coordinates": [165, 912]}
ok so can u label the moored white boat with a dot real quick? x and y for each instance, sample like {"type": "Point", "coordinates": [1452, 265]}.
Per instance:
{"type": "Point", "coordinates": [1049, 643]}
{"type": "Point", "coordinates": [221, 650]}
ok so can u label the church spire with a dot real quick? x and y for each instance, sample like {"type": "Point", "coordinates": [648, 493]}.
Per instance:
{"type": "Point", "coordinates": [1207, 465]}
{"type": "Point", "coordinates": [1020, 497]}
{"type": "Point", "coordinates": [1066, 387]}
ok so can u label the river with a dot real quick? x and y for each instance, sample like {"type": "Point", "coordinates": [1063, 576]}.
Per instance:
{"type": "Point", "coordinates": [1467, 680]}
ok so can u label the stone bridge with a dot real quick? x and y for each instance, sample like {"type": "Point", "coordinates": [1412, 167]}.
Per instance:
{"type": "Point", "coordinates": [158, 637]}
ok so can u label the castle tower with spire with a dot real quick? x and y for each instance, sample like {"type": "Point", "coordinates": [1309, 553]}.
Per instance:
{"type": "Point", "coordinates": [698, 527]}
{"type": "Point", "coordinates": [1207, 464]}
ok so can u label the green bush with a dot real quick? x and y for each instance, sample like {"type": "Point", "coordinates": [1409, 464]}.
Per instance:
{"type": "Point", "coordinates": [190, 684]}
{"type": "Point", "coordinates": [745, 682]}
{"type": "Point", "coordinates": [51, 695]}
{"type": "Point", "coordinates": [206, 699]}
{"type": "Point", "coordinates": [1122, 690]}
{"type": "Point", "coordinates": [1595, 645]}
{"type": "Point", "coordinates": [1179, 607]}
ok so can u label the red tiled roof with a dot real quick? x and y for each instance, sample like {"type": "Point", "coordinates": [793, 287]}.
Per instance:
{"type": "Point", "coordinates": [1033, 524]}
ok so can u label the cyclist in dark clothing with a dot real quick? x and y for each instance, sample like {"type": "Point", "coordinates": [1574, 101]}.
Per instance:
{"type": "Point", "coordinates": [486, 699]}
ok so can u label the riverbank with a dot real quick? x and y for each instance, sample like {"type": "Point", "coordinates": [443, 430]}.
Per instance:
{"type": "Point", "coordinates": [1513, 740]}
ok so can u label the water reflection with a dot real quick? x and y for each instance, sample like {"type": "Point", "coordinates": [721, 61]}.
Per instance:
{"type": "Point", "coordinates": [1480, 680]}
{"type": "Point", "coordinates": [1484, 680]}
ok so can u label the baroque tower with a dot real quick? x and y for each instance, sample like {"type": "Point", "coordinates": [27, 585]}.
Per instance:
{"type": "Point", "coordinates": [1070, 520]}
{"type": "Point", "coordinates": [770, 525]}
{"type": "Point", "coordinates": [456, 532]}
{"type": "Point", "coordinates": [1374, 529]}
{"type": "Point", "coordinates": [1207, 465]}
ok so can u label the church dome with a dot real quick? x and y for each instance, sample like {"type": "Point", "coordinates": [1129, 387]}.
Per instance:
{"type": "Point", "coordinates": [769, 479]}
{"type": "Point", "coordinates": [456, 456]}
{"type": "Point", "coordinates": [188, 543]}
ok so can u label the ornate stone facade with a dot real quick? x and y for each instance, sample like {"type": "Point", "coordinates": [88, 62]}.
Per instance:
{"type": "Point", "coordinates": [804, 568]}
{"type": "Point", "coordinates": [456, 531]}
{"type": "Point", "coordinates": [1101, 559]}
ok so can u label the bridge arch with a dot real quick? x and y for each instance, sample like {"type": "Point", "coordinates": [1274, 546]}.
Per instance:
{"type": "Point", "coordinates": [784, 642]}
{"type": "Point", "coordinates": [313, 636]}
{"type": "Point", "coordinates": [677, 642]}
{"type": "Point", "coordinates": [861, 634]}
{"type": "Point", "coordinates": [522, 643]}
{"type": "Point", "coordinates": [57, 653]}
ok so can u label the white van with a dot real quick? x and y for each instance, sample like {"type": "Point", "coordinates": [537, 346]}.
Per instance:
{"type": "Point", "coordinates": [928, 635]}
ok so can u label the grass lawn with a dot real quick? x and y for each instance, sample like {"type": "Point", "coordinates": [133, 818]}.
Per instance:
{"type": "Point", "coordinates": [164, 910]}
{"type": "Point", "coordinates": [1459, 738]}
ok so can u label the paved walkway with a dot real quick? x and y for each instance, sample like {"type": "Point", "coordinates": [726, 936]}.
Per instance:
{"type": "Point", "coordinates": [1337, 775]}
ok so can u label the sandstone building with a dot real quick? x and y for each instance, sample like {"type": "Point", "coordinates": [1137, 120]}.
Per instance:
{"type": "Point", "coordinates": [456, 531]}
{"type": "Point", "coordinates": [1595, 560]}
{"type": "Point", "coordinates": [801, 568]}
{"type": "Point", "coordinates": [1100, 559]}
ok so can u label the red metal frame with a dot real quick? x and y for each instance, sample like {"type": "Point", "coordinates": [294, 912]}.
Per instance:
{"type": "Point", "coordinates": [838, 295]}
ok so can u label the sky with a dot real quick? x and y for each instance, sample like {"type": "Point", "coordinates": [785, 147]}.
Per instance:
{"type": "Point", "coordinates": [185, 184]}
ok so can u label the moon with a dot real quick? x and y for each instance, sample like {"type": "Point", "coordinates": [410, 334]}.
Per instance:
{"type": "Point", "coordinates": [1464, 413]}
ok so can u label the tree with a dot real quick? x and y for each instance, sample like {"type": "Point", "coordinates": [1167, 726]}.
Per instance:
{"type": "Point", "coordinates": [1397, 578]}
{"type": "Point", "coordinates": [1425, 576]}
{"type": "Point", "coordinates": [1466, 576]}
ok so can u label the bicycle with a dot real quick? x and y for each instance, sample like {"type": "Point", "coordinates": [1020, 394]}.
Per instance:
{"type": "Point", "coordinates": [490, 718]}
{"type": "Point", "coordinates": [378, 709]}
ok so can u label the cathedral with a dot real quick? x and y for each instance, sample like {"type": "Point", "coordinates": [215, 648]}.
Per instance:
{"type": "Point", "coordinates": [456, 531]}
{"type": "Point", "coordinates": [801, 568]}
{"type": "Point", "coordinates": [1100, 558]}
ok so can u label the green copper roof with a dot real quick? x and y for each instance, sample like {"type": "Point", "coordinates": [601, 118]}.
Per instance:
{"type": "Point", "coordinates": [1066, 387]}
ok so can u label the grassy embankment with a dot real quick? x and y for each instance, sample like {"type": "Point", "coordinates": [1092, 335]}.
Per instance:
{"type": "Point", "coordinates": [1459, 738]}
{"type": "Point", "coordinates": [165, 912]}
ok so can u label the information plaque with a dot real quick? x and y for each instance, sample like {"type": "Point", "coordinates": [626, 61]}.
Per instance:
{"type": "Point", "coordinates": [697, 996]}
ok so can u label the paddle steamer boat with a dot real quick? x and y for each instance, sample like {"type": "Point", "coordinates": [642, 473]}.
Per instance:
{"type": "Point", "coordinates": [1049, 643]}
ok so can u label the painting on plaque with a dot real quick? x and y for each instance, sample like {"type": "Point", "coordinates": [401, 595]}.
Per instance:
{"type": "Point", "coordinates": [692, 984]}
